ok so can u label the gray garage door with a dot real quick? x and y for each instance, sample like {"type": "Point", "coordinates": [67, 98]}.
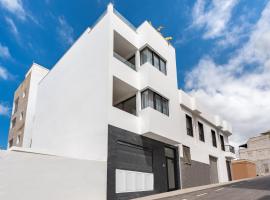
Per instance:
{"type": "Point", "coordinates": [213, 170]}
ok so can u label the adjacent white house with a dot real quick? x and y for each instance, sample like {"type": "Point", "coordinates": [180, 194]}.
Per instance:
{"type": "Point", "coordinates": [113, 98]}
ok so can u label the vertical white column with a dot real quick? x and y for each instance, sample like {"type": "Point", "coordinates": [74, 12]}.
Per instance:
{"type": "Point", "coordinates": [137, 60]}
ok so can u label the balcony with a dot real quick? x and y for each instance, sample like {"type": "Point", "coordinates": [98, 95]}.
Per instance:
{"type": "Point", "coordinates": [229, 148]}
{"type": "Point", "coordinates": [124, 51]}
{"type": "Point", "coordinates": [124, 96]}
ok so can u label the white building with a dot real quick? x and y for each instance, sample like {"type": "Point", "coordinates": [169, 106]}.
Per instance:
{"type": "Point", "coordinates": [257, 149]}
{"type": "Point", "coordinates": [113, 97]}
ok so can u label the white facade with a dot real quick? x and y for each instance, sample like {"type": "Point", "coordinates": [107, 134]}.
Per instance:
{"type": "Point", "coordinates": [77, 99]}
{"type": "Point", "coordinates": [26, 97]}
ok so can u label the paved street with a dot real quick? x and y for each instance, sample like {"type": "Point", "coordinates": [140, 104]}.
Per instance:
{"type": "Point", "coordinates": [256, 189]}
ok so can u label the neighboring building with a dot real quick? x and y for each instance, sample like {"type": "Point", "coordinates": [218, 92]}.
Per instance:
{"type": "Point", "coordinates": [20, 133]}
{"type": "Point", "coordinates": [113, 97]}
{"type": "Point", "coordinates": [257, 149]}
{"type": "Point", "coordinates": [243, 169]}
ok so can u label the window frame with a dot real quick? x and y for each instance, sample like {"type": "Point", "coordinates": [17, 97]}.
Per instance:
{"type": "Point", "coordinates": [186, 158]}
{"type": "Point", "coordinates": [201, 131]}
{"type": "Point", "coordinates": [189, 130]}
{"type": "Point", "coordinates": [222, 143]}
{"type": "Point", "coordinates": [154, 54]}
{"type": "Point", "coordinates": [214, 139]}
{"type": "Point", "coordinates": [163, 101]}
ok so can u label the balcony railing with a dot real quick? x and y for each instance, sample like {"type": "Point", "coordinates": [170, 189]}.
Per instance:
{"type": "Point", "coordinates": [123, 60]}
{"type": "Point", "coordinates": [230, 148]}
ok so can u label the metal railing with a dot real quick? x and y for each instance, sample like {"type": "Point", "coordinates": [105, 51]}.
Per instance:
{"type": "Point", "coordinates": [229, 148]}
{"type": "Point", "coordinates": [123, 60]}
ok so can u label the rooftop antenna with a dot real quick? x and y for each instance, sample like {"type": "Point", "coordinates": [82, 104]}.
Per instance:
{"type": "Point", "coordinates": [160, 28]}
{"type": "Point", "coordinates": [168, 38]}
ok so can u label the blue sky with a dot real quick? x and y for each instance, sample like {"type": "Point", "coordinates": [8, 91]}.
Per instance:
{"type": "Point", "coordinates": [222, 49]}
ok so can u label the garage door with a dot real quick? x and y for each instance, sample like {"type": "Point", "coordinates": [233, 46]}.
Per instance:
{"type": "Point", "coordinates": [213, 170]}
{"type": "Point", "coordinates": [133, 157]}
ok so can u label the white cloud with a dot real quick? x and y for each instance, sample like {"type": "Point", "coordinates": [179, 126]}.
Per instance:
{"type": "Point", "coordinates": [4, 74]}
{"type": "Point", "coordinates": [212, 17]}
{"type": "Point", "coordinates": [240, 89]}
{"type": "Point", "coordinates": [15, 7]}
{"type": "Point", "coordinates": [65, 31]}
{"type": "Point", "coordinates": [4, 110]}
{"type": "Point", "coordinates": [13, 27]}
{"type": "Point", "coordinates": [4, 52]}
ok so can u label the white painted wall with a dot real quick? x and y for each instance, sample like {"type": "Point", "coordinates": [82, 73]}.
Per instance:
{"type": "Point", "coordinates": [32, 176]}
{"type": "Point", "coordinates": [71, 118]}
{"type": "Point", "coordinates": [37, 74]}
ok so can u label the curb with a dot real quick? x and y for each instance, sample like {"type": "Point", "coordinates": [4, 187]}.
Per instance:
{"type": "Point", "coordinates": [188, 190]}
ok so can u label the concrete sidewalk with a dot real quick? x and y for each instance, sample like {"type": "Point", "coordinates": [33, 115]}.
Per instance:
{"type": "Point", "coordinates": [188, 190]}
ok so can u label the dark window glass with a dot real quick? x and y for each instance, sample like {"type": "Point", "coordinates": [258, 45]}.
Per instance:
{"type": "Point", "coordinates": [147, 55]}
{"type": "Point", "coordinates": [201, 131]}
{"type": "Point", "coordinates": [128, 105]}
{"type": "Point", "coordinates": [154, 100]}
{"type": "Point", "coordinates": [157, 102]}
{"type": "Point", "coordinates": [132, 60]}
{"type": "Point", "coordinates": [186, 155]}
{"type": "Point", "coordinates": [163, 66]}
{"type": "Point", "coordinates": [214, 139]}
{"type": "Point", "coordinates": [165, 106]}
{"type": "Point", "coordinates": [189, 125]}
{"type": "Point", "coordinates": [169, 152]}
{"type": "Point", "coordinates": [222, 142]}
{"type": "Point", "coordinates": [156, 61]}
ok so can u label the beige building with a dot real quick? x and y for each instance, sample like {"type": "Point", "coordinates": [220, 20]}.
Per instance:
{"type": "Point", "coordinates": [257, 149]}
{"type": "Point", "coordinates": [23, 107]}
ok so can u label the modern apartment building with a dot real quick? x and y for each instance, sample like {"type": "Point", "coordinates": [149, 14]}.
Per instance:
{"type": "Point", "coordinates": [257, 149]}
{"type": "Point", "coordinates": [113, 97]}
{"type": "Point", "coordinates": [24, 107]}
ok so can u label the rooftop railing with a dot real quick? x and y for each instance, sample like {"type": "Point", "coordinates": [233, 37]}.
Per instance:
{"type": "Point", "coordinates": [230, 148]}
{"type": "Point", "coordinates": [123, 60]}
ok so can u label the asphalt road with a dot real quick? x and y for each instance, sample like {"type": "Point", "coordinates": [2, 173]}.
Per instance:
{"type": "Point", "coordinates": [255, 189]}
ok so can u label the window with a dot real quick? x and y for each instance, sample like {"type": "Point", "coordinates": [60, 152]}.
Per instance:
{"type": "Point", "coordinates": [189, 125]}
{"type": "Point", "coordinates": [186, 155]}
{"type": "Point", "coordinates": [201, 131]}
{"type": "Point", "coordinates": [214, 139]}
{"type": "Point", "coordinates": [154, 100]}
{"type": "Point", "coordinates": [222, 142]}
{"type": "Point", "coordinates": [147, 55]}
{"type": "Point", "coordinates": [16, 105]}
{"type": "Point", "coordinates": [13, 122]}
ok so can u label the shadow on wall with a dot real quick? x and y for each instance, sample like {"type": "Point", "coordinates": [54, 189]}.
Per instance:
{"type": "Point", "coordinates": [264, 198]}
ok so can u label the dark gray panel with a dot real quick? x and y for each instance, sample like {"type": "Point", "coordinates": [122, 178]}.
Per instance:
{"type": "Point", "coordinates": [195, 174]}
{"type": "Point", "coordinates": [130, 151]}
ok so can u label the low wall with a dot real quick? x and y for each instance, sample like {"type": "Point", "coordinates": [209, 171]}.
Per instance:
{"type": "Point", "coordinates": [31, 176]}
{"type": "Point", "coordinates": [243, 169]}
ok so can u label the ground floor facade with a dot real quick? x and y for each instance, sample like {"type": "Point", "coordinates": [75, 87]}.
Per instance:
{"type": "Point", "coordinates": [140, 166]}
